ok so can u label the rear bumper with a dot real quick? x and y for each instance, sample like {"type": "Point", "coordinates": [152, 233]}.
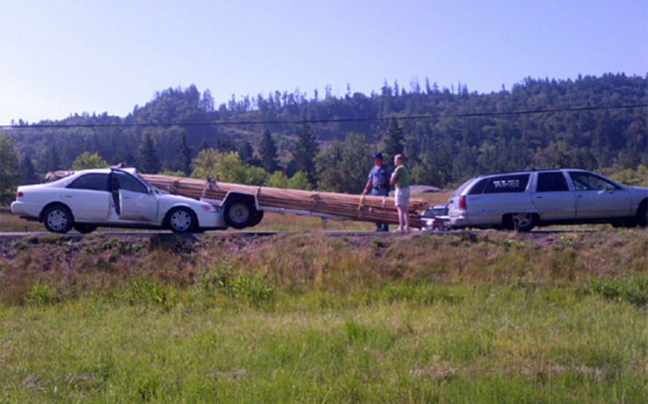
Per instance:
{"type": "Point", "coordinates": [25, 210]}
{"type": "Point", "coordinates": [458, 221]}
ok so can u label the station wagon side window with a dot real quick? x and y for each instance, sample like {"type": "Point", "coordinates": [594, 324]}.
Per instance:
{"type": "Point", "coordinates": [507, 184]}
{"type": "Point", "coordinates": [589, 182]}
{"type": "Point", "coordinates": [552, 182]}
{"type": "Point", "coordinates": [92, 182]}
{"type": "Point", "coordinates": [129, 183]}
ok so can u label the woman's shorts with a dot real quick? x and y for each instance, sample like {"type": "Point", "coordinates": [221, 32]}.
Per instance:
{"type": "Point", "coordinates": [402, 197]}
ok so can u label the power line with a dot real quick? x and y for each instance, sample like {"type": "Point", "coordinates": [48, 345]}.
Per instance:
{"type": "Point", "coordinates": [333, 120]}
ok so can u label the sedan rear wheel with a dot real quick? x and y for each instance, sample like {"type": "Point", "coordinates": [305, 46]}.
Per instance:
{"type": "Point", "coordinates": [58, 219]}
{"type": "Point", "coordinates": [182, 220]}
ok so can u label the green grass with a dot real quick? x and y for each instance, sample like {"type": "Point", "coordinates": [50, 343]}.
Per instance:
{"type": "Point", "coordinates": [486, 318]}
{"type": "Point", "coordinates": [496, 345]}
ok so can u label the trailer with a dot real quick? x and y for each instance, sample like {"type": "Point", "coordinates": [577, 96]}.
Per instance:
{"type": "Point", "coordinates": [244, 205]}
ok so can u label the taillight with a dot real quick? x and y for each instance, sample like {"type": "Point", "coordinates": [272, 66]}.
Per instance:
{"type": "Point", "coordinates": [462, 202]}
{"type": "Point", "coordinates": [19, 194]}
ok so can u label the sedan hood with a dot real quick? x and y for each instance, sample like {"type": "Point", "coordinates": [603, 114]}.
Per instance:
{"type": "Point", "coordinates": [173, 199]}
{"type": "Point", "coordinates": [641, 190]}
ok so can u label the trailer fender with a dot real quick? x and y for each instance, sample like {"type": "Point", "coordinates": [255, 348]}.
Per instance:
{"type": "Point", "coordinates": [243, 195]}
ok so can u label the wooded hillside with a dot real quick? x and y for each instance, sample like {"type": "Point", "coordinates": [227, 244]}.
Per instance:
{"type": "Point", "coordinates": [447, 147]}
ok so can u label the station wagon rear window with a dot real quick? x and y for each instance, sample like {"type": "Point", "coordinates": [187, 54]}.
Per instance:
{"type": "Point", "coordinates": [507, 184]}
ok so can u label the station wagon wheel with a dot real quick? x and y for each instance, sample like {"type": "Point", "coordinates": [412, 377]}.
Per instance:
{"type": "Point", "coordinates": [523, 221]}
{"type": "Point", "coordinates": [58, 219]}
{"type": "Point", "coordinates": [181, 220]}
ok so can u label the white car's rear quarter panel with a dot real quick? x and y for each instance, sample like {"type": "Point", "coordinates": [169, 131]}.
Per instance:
{"type": "Point", "coordinates": [35, 198]}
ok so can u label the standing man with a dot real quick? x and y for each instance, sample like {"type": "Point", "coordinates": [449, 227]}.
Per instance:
{"type": "Point", "coordinates": [401, 179]}
{"type": "Point", "coordinates": [378, 184]}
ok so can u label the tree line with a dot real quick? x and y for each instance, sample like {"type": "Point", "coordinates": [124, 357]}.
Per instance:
{"type": "Point", "coordinates": [169, 132]}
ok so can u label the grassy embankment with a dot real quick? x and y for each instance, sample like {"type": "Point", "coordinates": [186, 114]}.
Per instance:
{"type": "Point", "coordinates": [488, 318]}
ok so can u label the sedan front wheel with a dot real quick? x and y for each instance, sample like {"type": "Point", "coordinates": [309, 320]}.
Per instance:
{"type": "Point", "coordinates": [182, 220]}
{"type": "Point", "coordinates": [642, 214]}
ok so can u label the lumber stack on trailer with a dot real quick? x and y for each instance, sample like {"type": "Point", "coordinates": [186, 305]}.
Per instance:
{"type": "Point", "coordinates": [336, 205]}
{"type": "Point", "coordinates": [346, 206]}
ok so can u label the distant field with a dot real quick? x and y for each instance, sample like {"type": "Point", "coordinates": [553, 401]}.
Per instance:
{"type": "Point", "coordinates": [488, 317]}
{"type": "Point", "coordinates": [13, 223]}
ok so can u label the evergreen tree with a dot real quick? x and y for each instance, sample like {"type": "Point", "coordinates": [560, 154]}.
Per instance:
{"type": "Point", "coordinates": [148, 159]}
{"type": "Point", "coordinates": [393, 141]}
{"type": "Point", "coordinates": [305, 152]}
{"type": "Point", "coordinates": [268, 153]}
{"type": "Point", "coordinates": [184, 155]}
{"type": "Point", "coordinates": [343, 167]}
{"type": "Point", "coordinates": [125, 158]}
{"type": "Point", "coordinates": [207, 101]}
{"type": "Point", "coordinates": [246, 152]}
{"type": "Point", "coordinates": [50, 160]}
{"type": "Point", "coordinates": [203, 145]}
{"type": "Point", "coordinates": [9, 174]}
{"type": "Point", "coordinates": [27, 171]}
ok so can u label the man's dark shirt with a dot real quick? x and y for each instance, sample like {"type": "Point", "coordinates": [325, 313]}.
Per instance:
{"type": "Point", "coordinates": [380, 176]}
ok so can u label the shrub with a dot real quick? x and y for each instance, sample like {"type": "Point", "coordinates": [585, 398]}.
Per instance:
{"type": "Point", "coordinates": [42, 294]}
{"type": "Point", "coordinates": [633, 290]}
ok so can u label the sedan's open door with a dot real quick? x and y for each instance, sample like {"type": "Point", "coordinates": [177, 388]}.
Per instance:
{"type": "Point", "coordinates": [137, 202]}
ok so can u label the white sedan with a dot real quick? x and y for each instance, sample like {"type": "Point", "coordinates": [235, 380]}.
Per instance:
{"type": "Point", "coordinates": [88, 199]}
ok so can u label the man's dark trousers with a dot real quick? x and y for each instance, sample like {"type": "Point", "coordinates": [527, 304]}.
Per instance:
{"type": "Point", "coordinates": [380, 192]}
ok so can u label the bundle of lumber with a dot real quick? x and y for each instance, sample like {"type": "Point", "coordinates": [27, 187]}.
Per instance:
{"type": "Point", "coordinates": [335, 205]}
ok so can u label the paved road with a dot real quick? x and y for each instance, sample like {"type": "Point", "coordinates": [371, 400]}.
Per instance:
{"type": "Point", "coordinates": [338, 233]}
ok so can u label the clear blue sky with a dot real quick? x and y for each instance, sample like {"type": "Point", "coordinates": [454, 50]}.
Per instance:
{"type": "Point", "coordinates": [63, 57]}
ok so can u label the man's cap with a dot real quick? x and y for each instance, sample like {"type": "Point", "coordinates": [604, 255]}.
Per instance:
{"type": "Point", "coordinates": [378, 155]}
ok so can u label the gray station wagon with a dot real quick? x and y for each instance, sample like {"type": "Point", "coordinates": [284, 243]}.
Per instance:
{"type": "Point", "coordinates": [523, 200]}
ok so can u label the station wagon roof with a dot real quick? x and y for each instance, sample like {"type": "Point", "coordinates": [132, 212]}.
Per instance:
{"type": "Point", "coordinates": [533, 171]}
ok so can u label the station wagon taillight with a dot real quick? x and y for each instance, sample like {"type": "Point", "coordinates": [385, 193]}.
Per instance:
{"type": "Point", "coordinates": [19, 194]}
{"type": "Point", "coordinates": [462, 202]}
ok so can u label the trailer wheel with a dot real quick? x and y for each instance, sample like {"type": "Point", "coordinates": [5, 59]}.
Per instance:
{"type": "Point", "coordinates": [239, 212]}
{"type": "Point", "coordinates": [257, 217]}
